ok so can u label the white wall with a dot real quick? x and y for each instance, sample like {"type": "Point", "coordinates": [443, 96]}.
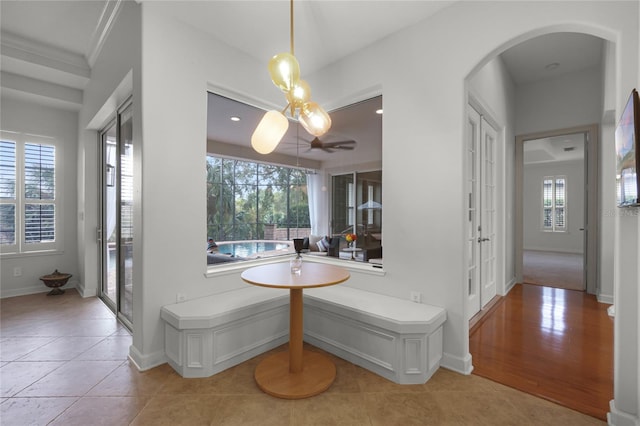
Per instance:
{"type": "Point", "coordinates": [114, 76]}
{"type": "Point", "coordinates": [62, 125]}
{"type": "Point", "coordinates": [625, 408]}
{"type": "Point", "coordinates": [535, 238]}
{"type": "Point", "coordinates": [607, 177]}
{"type": "Point", "coordinates": [422, 132]}
{"type": "Point", "coordinates": [570, 100]}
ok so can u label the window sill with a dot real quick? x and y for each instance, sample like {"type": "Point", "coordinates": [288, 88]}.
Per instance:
{"type": "Point", "coordinates": [362, 267]}
{"type": "Point", "coordinates": [34, 253]}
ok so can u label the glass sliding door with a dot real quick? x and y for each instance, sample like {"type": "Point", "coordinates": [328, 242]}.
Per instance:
{"type": "Point", "coordinates": [116, 233]}
{"type": "Point", "coordinates": [356, 207]}
{"type": "Point", "coordinates": [125, 285]}
{"type": "Point", "coordinates": [342, 205]}
{"type": "Point", "coordinates": [109, 240]}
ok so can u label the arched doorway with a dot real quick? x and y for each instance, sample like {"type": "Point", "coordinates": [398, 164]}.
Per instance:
{"type": "Point", "coordinates": [494, 71]}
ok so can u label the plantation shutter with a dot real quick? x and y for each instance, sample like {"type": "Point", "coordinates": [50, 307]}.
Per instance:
{"type": "Point", "coordinates": [39, 193]}
{"type": "Point", "coordinates": [7, 193]}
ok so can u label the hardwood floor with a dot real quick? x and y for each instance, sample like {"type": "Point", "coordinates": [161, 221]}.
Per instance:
{"type": "Point", "coordinates": [553, 343]}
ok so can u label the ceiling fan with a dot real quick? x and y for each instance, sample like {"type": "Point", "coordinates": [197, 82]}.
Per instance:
{"type": "Point", "coordinates": [330, 146]}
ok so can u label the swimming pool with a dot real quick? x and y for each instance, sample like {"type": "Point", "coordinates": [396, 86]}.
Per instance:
{"type": "Point", "coordinates": [254, 249]}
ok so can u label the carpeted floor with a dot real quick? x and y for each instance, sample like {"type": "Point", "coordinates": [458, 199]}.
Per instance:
{"type": "Point", "coordinates": [553, 269]}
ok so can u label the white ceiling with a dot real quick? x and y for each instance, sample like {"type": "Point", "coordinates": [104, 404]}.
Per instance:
{"type": "Point", "coordinates": [535, 59]}
{"type": "Point", "coordinates": [557, 148]}
{"type": "Point", "coordinates": [68, 25]}
{"type": "Point", "coordinates": [325, 31]}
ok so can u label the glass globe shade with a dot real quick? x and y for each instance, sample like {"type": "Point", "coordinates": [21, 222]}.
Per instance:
{"type": "Point", "coordinates": [284, 70]}
{"type": "Point", "coordinates": [314, 119]}
{"type": "Point", "coordinates": [269, 132]}
{"type": "Point", "coordinates": [299, 95]}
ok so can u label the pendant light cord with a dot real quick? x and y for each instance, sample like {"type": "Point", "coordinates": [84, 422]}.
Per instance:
{"type": "Point", "coordinates": [291, 18]}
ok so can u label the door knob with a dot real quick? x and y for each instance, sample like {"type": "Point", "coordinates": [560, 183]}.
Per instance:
{"type": "Point", "coordinates": [480, 240]}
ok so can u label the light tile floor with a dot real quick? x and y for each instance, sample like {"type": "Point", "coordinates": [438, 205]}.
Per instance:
{"type": "Point", "coordinates": [63, 361]}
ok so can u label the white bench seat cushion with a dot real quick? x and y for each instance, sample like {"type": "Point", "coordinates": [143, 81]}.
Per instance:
{"type": "Point", "coordinates": [391, 313]}
{"type": "Point", "coordinates": [222, 308]}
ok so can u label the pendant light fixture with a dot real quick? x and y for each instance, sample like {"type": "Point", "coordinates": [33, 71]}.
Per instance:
{"type": "Point", "coordinates": [285, 74]}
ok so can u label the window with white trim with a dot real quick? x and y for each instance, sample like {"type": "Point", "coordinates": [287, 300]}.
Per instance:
{"type": "Point", "coordinates": [554, 203]}
{"type": "Point", "coordinates": [29, 197]}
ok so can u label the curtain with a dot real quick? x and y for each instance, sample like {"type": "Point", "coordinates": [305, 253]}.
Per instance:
{"type": "Point", "coordinates": [318, 203]}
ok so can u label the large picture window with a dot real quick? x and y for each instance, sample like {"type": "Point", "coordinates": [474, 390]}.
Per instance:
{"type": "Point", "coordinates": [554, 203]}
{"type": "Point", "coordinates": [253, 201]}
{"type": "Point", "coordinates": [28, 194]}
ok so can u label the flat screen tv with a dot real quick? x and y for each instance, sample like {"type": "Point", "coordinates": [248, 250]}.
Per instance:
{"type": "Point", "coordinates": [628, 153]}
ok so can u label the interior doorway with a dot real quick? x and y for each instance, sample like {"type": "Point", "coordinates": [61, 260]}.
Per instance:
{"type": "Point", "coordinates": [556, 208]}
{"type": "Point", "coordinates": [554, 211]}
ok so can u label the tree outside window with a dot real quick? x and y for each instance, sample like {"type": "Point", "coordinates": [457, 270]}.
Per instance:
{"type": "Point", "coordinates": [245, 198]}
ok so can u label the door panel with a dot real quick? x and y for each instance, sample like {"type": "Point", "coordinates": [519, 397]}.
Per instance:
{"type": "Point", "coordinates": [488, 214]}
{"type": "Point", "coordinates": [473, 268]}
{"type": "Point", "coordinates": [481, 221]}
{"type": "Point", "coordinates": [109, 240]}
{"type": "Point", "coordinates": [125, 293]}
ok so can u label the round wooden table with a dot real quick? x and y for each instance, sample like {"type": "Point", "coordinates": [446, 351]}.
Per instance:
{"type": "Point", "coordinates": [286, 374]}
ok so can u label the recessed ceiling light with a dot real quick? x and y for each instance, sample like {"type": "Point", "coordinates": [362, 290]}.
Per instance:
{"type": "Point", "coordinates": [234, 118]}
{"type": "Point", "coordinates": [552, 66]}
{"type": "Point", "coordinates": [379, 111]}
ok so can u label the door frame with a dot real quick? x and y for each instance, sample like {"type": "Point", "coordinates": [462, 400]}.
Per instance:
{"type": "Point", "coordinates": [115, 306]}
{"type": "Point", "coordinates": [502, 286]}
{"type": "Point", "coordinates": [591, 220]}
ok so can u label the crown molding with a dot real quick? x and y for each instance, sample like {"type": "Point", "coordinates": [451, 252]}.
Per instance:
{"type": "Point", "coordinates": [26, 50]}
{"type": "Point", "coordinates": [103, 28]}
{"type": "Point", "coordinates": [39, 91]}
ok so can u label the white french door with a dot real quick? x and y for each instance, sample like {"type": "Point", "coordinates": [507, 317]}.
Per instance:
{"type": "Point", "coordinates": [481, 222]}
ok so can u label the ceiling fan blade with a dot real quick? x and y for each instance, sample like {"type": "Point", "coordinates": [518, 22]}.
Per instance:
{"type": "Point", "coordinates": [334, 144]}
{"type": "Point", "coordinates": [349, 148]}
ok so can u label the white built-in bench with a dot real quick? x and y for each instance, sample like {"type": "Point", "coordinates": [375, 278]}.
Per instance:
{"type": "Point", "coordinates": [207, 335]}
{"type": "Point", "coordinates": [395, 338]}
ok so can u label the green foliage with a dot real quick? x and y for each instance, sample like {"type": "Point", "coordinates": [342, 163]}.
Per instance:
{"type": "Point", "coordinates": [243, 196]}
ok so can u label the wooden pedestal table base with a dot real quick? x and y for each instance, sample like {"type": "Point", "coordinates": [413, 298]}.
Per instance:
{"type": "Point", "coordinates": [297, 373]}
{"type": "Point", "coordinates": [274, 378]}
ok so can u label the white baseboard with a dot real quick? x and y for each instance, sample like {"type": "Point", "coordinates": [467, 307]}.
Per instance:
{"type": "Point", "coordinates": [510, 285]}
{"type": "Point", "coordinates": [146, 362]}
{"type": "Point", "coordinates": [552, 250]}
{"type": "Point", "coordinates": [85, 292]}
{"type": "Point", "coordinates": [457, 364]}
{"type": "Point", "coordinates": [32, 289]}
{"type": "Point", "coordinates": [605, 298]}
{"type": "Point", "coordinates": [620, 418]}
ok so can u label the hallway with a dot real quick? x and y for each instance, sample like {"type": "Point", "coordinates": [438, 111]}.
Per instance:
{"type": "Point", "coordinates": [552, 343]}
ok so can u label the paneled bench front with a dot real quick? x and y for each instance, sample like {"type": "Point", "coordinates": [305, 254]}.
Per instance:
{"type": "Point", "coordinates": [395, 338]}
{"type": "Point", "coordinates": [207, 335]}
